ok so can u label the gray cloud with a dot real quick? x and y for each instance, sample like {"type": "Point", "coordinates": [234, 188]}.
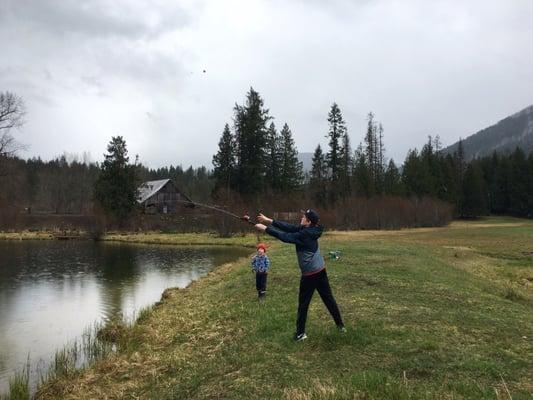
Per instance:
{"type": "Point", "coordinates": [96, 18]}
{"type": "Point", "coordinates": [89, 70]}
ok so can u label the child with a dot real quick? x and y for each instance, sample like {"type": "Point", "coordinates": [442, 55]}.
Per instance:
{"type": "Point", "coordinates": [260, 265]}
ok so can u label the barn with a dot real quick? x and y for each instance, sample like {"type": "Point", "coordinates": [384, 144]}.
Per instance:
{"type": "Point", "coordinates": [161, 196]}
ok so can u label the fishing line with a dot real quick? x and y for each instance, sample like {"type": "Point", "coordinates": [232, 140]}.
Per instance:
{"type": "Point", "coordinates": [194, 204]}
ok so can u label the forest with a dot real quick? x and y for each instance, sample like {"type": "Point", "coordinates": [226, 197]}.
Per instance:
{"type": "Point", "coordinates": [256, 167]}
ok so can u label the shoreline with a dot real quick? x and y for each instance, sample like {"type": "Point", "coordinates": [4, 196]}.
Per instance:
{"type": "Point", "coordinates": [156, 238]}
{"type": "Point", "coordinates": [97, 330]}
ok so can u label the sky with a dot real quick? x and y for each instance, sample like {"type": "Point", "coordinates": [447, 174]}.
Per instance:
{"type": "Point", "coordinates": [91, 70]}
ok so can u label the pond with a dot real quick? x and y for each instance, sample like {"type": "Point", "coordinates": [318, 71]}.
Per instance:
{"type": "Point", "coordinates": [50, 291]}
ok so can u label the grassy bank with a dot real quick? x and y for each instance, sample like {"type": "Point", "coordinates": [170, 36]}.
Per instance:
{"type": "Point", "coordinates": [26, 235]}
{"type": "Point", "coordinates": [186, 239]}
{"type": "Point", "coordinates": [431, 313]}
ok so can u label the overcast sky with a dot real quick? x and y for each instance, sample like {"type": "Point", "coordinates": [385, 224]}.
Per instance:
{"type": "Point", "coordinates": [95, 69]}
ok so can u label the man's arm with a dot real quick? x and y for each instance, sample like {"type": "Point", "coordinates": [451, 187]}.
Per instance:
{"type": "Point", "coordinates": [286, 237]}
{"type": "Point", "coordinates": [284, 226]}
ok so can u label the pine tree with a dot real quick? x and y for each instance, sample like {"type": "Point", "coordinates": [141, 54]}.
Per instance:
{"type": "Point", "coordinates": [410, 174]}
{"type": "Point", "coordinates": [449, 180]}
{"type": "Point", "coordinates": [501, 202]}
{"type": "Point", "coordinates": [474, 192]}
{"type": "Point", "coordinates": [370, 147]}
{"type": "Point", "coordinates": [518, 185]}
{"type": "Point", "coordinates": [319, 177]}
{"type": "Point", "coordinates": [337, 130]}
{"type": "Point", "coordinates": [346, 167]}
{"type": "Point", "coordinates": [489, 166]}
{"type": "Point", "coordinates": [250, 132]}
{"type": "Point", "coordinates": [530, 186]}
{"type": "Point", "coordinates": [362, 176]}
{"type": "Point", "coordinates": [392, 183]}
{"type": "Point", "coordinates": [429, 173]}
{"type": "Point", "coordinates": [460, 164]}
{"type": "Point", "coordinates": [224, 160]}
{"type": "Point", "coordinates": [273, 158]}
{"type": "Point", "coordinates": [375, 153]}
{"type": "Point", "coordinates": [116, 187]}
{"type": "Point", "coordinates": [380, 170]}
{"type": "Point", "coordinates": [291, 173]}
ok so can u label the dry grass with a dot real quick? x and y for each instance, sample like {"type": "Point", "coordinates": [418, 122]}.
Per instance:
{"type": "Point", "coordinates": [26, 235]}
{"type": "Point", "coordinates": [186, 239]}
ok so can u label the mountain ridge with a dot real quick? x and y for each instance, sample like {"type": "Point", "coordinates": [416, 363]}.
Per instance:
{"type": "Point", "coordinates": [503, 137]}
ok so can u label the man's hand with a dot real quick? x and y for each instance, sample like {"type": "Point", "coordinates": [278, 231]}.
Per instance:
{"type": "Point", "coordinates": [264, 219]}
{"type": "Point", "coordinates": [260, 227]}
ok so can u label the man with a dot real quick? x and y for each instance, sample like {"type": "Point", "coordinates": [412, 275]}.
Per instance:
{"type": "Point", "coordinates": [305, 237]}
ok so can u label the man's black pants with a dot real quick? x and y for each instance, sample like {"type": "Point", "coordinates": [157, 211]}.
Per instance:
{"type": "Point", "coordinates": [261, 283]}
{"type": "Point", "coordinates": [308, 284]}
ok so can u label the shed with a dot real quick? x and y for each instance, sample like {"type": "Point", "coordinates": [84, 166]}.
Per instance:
{"type": "Point", "coordinates": [161, 196]}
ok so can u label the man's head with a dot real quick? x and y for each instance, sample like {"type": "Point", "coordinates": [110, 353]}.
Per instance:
{"type": "Point", "coordinates": [309, 217]}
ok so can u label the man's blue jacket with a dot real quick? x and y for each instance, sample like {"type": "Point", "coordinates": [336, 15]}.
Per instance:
{"type": "Point", "coordinates": [306, 240]}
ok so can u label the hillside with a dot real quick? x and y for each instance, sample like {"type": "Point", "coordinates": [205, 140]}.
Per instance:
{"type": "Point", "coordinates": [503, 137]}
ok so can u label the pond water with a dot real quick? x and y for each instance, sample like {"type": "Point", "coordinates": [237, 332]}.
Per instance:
{"type": "Point", "coordinates": [50, 291]}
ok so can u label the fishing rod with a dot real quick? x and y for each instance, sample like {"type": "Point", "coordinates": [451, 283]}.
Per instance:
{"type": "Point", "coordinates": [194, 204]}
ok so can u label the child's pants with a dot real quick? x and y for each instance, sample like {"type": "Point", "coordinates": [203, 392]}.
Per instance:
{"type": "Point", "coordinates": [261, 283]}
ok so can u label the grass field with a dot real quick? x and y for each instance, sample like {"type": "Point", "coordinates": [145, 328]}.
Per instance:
{"type": "Point", "coordinates": [431, 313]}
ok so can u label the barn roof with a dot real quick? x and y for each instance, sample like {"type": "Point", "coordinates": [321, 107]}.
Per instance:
{"type": "Point", "coordinates": [148, 189]}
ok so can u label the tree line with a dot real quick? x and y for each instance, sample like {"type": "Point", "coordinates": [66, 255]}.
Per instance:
{"type": "Point", "coordinates": [258, 164]}
{"type": "Point", "coordinates": [253, 159]}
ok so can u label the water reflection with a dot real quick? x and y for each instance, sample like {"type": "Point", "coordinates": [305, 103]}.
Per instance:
{"type": "Point", "coordinates": [50, 291]}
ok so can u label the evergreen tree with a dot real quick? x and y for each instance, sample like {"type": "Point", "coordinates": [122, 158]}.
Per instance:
{"type": "Point", "coordinates": [392, 182]}
{"type": "Point", "coordinates": [224, 160]}
{"type": "Point", "coordinates": [380, 159]}
{"type": "Point", "coordinates": [250, 122]}
{"type": "Point", "coordinates": [429, 173]}
{"type": "Point", "coordinates": [274, 158]}
{"type": "Point", "coordinates": [375, 153]}
{"type": "Point", "coordinates": [449, 180]}
{"type": "Point", "coordinates": [501, 202]}
{"type": "Point", "coordinates": [518, 185]}
{"type": "Point", "coordinates": [474, 192]}
{"type": "Point", "coordinates": [371, 149]}
{"type": "Point", "coordinates": [411, 174]}
{"type": "Point", "coordinates": [362, 177]}
{"type": "Point", "coordinates": [337, 130]}
{"type": "Point", "coordinates": [489, 166]}
{"type": "Point", "coordinates": [530, 186]}
{"type": "Point", "coordinates": [116, 187]}
{"type": "Point", "coordinates": [346, 167]}
{"type": "Point", "coordinates": [460, 164]}
{"type": "Point", "coordinates": [319, 177]}
{"type": "Point", "coordinates": [291, 173]}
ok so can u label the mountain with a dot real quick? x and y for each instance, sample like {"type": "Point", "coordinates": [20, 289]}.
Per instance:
{"type": "Point", "coordinates": [307, 160]}
{"type": "Point", "coordinates": [503, 137]}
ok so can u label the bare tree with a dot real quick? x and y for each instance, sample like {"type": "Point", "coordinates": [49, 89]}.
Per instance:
{"type": "Point", "coordinates": [12, 111]}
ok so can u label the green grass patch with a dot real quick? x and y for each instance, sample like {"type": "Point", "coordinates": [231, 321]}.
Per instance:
{"type": "Point", "coordinates": [431, 313]}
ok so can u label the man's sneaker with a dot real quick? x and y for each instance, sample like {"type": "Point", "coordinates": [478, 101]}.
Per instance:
{"type": "Point", "coordinates": [300, 337]}
{"type": "Point", "coordinates": [341, 329]}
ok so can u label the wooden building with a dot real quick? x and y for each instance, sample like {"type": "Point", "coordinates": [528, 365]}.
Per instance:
{"type": "Point", "coordinates": [161, 196]}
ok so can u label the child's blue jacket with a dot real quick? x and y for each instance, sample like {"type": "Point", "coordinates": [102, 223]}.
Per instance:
{"type": "Point", "coordinates": [260, 264]}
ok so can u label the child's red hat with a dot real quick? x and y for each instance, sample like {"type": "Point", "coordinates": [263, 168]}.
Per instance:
{"type": "Point", "coordinates": [262, 246]}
